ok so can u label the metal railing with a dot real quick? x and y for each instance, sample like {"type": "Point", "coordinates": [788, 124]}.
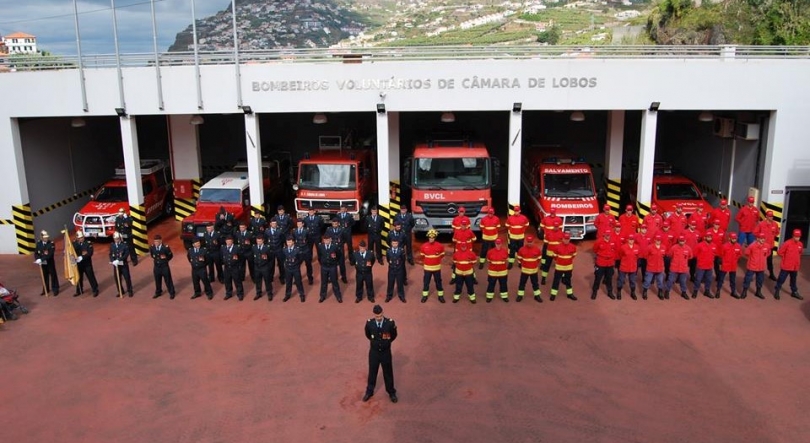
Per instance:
{"type": "Point", "coordinates": [416, 53]}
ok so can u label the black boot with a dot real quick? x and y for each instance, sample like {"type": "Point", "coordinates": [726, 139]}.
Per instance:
{"type": "Point", "coordinates": [633, 294]}
{"type": "Point", "coordinates": [759, 295]}
{"type": "Point", "coordinates": [735, 295]}
{"type": "Point", "coordinates": [772, 277]}
{"type": "Point", "coordinates": [610, 294]}
{"type": "Point", "coordinates": [660, 294]}
{"type": "Point", "coordinates": [644, 294]}
{"type": "Point", "coordinates": [593, 294]}
{"type": "Point", "coordinates": [572, 297]}
{"type": "Point", "coordinates": [666, 295]}
{"type": "Point", "coordinates": [708, 294]}
{"type": "Point", "coordinates": [795, 294]}
{"type": "Point", "coordinates": [538, 299]}
{"type": "Point", "coordinates": [519, 298]}
{"type": "Point", "coordinates": [684, 295]}
{"type": "Point", "coordinates": [694, 293]}
{"type": "Point", "coordinates": [744, 293]}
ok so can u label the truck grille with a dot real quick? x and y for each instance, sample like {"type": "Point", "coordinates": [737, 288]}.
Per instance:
{"type": "Point", "coordinates": [574, 220]}
{"type": "Point", "coordinates": [328, 205]}
{"type": "Point", "coordinates": [450, 209]}
{"type": "Point", "coordinates": [92, 220]}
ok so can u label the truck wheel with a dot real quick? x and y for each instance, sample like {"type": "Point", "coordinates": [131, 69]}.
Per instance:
{"type": "Point", "coordinates": [168, 208]}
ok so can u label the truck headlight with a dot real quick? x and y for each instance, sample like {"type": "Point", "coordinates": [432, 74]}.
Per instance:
{"type": "Point", "coordinates": [110, 219]}
{"type": "Point", "coordinates": [188, 227]}
{"type": "Point", "coordinates": [590, 219]}
{"type": "Point", "coordinates": [421, 222]}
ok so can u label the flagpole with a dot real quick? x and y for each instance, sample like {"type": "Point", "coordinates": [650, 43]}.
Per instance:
{"type": "Point", "coordinates": [157, 59]}
{"type": "Point", "coordinates": [118, 58]}
{"type": "Point", "coordinates": [236, 57]}
{"type": "Point", "coordinates": [85, 106]}
{"type": "Point", "coordinates": [196, 55]}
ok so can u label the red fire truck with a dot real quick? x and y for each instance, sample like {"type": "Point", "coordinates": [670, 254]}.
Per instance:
{"type": "Point", "coordinates": [228, 190]}
{"type": "Point", "coordinates": [670, 189]}
{"type": "Point", "coordinates": [338, 174]}
{"type": "Point", "coordinates": [97, 217]}
{"type": "Point", "coordinates": [556, 179]}
{"type": "Point", "coordinates": [445, 174]}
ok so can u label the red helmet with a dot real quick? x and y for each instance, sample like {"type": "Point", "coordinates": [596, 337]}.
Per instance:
{"type": "Point", "coordinates": [517, 208]}
{"type": "Point", "coordinates": [768, 213]}
{"type": "Point", "coordinates": [653, 207]}
{"type": "Point", "coordinates": [606, 208]}
{"type": "Point", "coordinates": [529, 238]}
{"type": "Point", "coordinates": [723, 202]}
{"type": "Point", "coordinates": [716, 221]}
{"type": "Point", "coordinates": [797, 232]}
{"type": "Point", "coordinates": [628, 208]}
{"type": "Point", "coordinates": [498, 241]}
{"type": "Point", "coordinates": [751, 199]}
{"type": "Point", "coordinates": [491, 210]}
{"type": "Point", "coordinates": [553, 211]}
{"type": "Point", "coordinates": [708, 236]}
{"type": "Point", "coordinates": [732, 235]}
{"type": "Point", "coordinates": [658, 237]}
{"type": "Point", "coordinates": [681, 238]}
{"type": "Point", "coordinates": [461, 210]}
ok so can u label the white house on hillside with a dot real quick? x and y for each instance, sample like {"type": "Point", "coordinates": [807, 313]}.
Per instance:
{"type": "Point", "coordinates": [20, 43]}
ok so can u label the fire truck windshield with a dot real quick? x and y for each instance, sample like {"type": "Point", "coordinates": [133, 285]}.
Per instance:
{"type": "Point", "coordinates": [209, 195]}
{"type": "Point", "coordinates": [567, 185]}
{"type": "Point", "coordinates": [112, 194]}
{"type": "Point", "coordinates": [449, 173]}
{"type": "Point", "coordinates": [677, 191]}
{"type": "Point", "coordinates": [326, 176]}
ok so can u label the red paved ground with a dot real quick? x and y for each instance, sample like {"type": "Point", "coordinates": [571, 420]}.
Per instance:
{"type": "Point", "coordinates": [143, 370]}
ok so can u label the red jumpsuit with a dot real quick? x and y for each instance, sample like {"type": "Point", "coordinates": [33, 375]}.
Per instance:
{"type": "Point", "coordinates": [791, 253]}
{"type": "Point", "coordinates": [529, 258]}
{"type": "Point", "coordinates": [432, 253]}
{"type": "Point", "coordinates": [563, 254]}
{"type": "Point", "coordinates": [497, 259]}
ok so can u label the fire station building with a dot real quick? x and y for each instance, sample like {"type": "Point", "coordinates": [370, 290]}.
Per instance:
{"type": "Point", "coordinates": [730, 118]}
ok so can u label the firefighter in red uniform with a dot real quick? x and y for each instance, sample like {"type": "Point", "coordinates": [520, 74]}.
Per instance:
{"type": "Point", "coordinates": [653, 220]}
{"type": "Point", "coordinates": [643, 240]}
{"type": "Point", "coordinates": [552, 239]}
{"type": "Point", "coordinates": [460, 218]}
{"type": "Point", "coordinates": [489, 233]}
{"type": "Point", "coordinates": [464, 260]}
{"type": "Point", "coordinates": [730, 254]}
{"type": "Point", "coordinates": [604, 222]}
{"type": "Point", "coordinates": [747, 218]}
{"type": "Point", "coordinates": [529, 259]}
{"type": "Point", "coordinates": [770, 229]}
{"type": "Point", "coordinates": [680, 254]}
{"type": "Point", "coordinates": [548, 221]}
{"type": "Point", "coordinates": [692, 236]}
{"type": "Point", "coordinates": [699, 217]}
{"type": "Point", "coordinates": [563, 254]}
{"type": "Point", "coordinates": [791, 253]}
{"type": "Point", "coordinates": [667, 240]}
{"type": "Point", "coordinates": [516, 225]}
{"type": "Point", "coordinates": [654, 254]}
{"type": "Point", "coordinates": [756, 253]}
{"type": "Point", "coordinates": [432, 253]}
{"type": "Point", "coordinates": [463, 235]}
{"type": "Point", "coordinates": [718, 238]}
{"type": "Point", "coordinates": [705, 252]}
{"type": "Point", "coordinates": [497, 259]}
{"type": "Point", "coordinates": [628, 256]}
{"type": "Point", "coordinates": [605, 250]}
{"type": "Point", "coordinates": [722, 213]}
{"type": "Point", "coordinates": [617, 241]}
{"type": "Point", "coordinates": [677, 221]}
{"type": "Point", "coordinates": [628, 222]}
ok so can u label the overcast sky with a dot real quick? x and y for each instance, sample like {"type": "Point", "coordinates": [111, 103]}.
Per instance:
{"type": "Point", "coordinates": [51, 21]}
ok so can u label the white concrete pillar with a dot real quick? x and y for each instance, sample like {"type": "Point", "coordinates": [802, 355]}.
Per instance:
{"type": "Point", "coordinates": [775, 171]}
{"type": "Point", "coordinates": [388, 159]}
{"type": "Point", "coordinates": [646, 161]}
{"type": "Point", "coordinates": [132, 160]}
{"type": "Point", "coordinates": [16, 219]}
{"type": "Point", "coordinates": [515, 151]}
{"type": "Point", "coordinates": [613, 159]}
{"type": "Point", "coordinates": [253, 147]}
{"type": "Point", "coordinates": [184, 140]}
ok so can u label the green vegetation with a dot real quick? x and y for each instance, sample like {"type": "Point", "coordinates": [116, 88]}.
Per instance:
{"type": "Point", "coordinates": [747, 22]}
{"type": "Point", "coordinates": [480, 35]}
{"type": "Point", "coordinates": [566, 19]}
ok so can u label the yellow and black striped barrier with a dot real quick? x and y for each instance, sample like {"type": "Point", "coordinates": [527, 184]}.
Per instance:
{"type": "Point", "coordinates": [510, 210]}
{"type": "Point", "coordinates": [66, 201]}
{"type": "Point", "coordinates": [23, 220]}
{"type": "Point", "coordinates": [139, 235]}
{"type": "Point", "coordinates": [642, 209]}
{"type": "Point", "coordinates": [391, 210]}
{"type": "Point", "coordinates": [613, 192]}
{"type": "Point", "coordinates": [718, 194]}
{"type": "Point", "coordinates": [184, 207]}
{"type": "Point", "coordinates": [257, 209]}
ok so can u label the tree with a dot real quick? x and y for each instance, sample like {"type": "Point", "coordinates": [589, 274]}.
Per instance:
{"type": "Point", "coordinates": [550, 36]}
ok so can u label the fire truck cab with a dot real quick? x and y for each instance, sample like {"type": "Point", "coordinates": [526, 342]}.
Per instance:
{"type": "Point", "coordinates": [670, 189]}
{"type": "Point", "coordinates": [445, 174]}
{"type": "Point", "coordinates": [337, 175]}
{"type": "Point", "coordinates": [561, 181]}
{"type": "Point", "coordinates": [228, 190]}
{"type": "Point", "coordinates": [97, 217]}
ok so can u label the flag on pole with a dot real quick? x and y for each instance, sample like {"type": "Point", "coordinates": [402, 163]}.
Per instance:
{"type": "Point", "coordinates": [71, 269]}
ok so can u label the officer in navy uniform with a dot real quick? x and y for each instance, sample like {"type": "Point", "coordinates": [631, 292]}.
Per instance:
{"type": "Point", "coordinates": [314, 224]}
{"type": "Point", "coordinates": [328, 256]}
{"type": "Point", "coordinates": [301, 236]}
{"type": "Point", "coordinates": [258, 224]}
{"type": "Point", "coordinates": [292, 268]}
{"type": "Point", "coordinates": [374, 227]}
{"type": "Point", "coordinates": [84, 262]}
{"type": "Point", "coordinates": [346, 222]}
{"type": "Point", "coordinates": [161, 256]}
{"type": "Point", "coordinates": [212, 242]}
{"type": "Point", "coordinates": [380, 332]}
{"type": "Point", "coordinates": [408, 222]}
{"type": "Point", "coordinates": [231, 262]}
{"type": "Point", "coordinates": [123, 225]}
{"type": "Point", "coordinates": [396, 271]}
{"type": "Point", "coordinates": [244, 239]}
{"type": "Point", "coordinates": [119, 254]}
{"type": "Point", "coordinates": [283, 221]}
{"type": "Point", "coordinates": [262, 262]}
{"type": "Point", "coordinates": [275, 241]}
{"type": "Point", "coordinates": [224, 223]}
{"type": "Point", "coordinates": [335, 232]}
{"type": "Point", "coordinates": [44, 257]}
{"type": "Point", "coordinates": [363, 262]}
{"type": "Point", "coordinates": [199, 257]}
{"type": "Point", "coordinates": [398, 234]}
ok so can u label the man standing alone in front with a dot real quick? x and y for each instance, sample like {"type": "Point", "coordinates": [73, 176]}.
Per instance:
{"type": "Point", "coordinates": [380, 332]}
